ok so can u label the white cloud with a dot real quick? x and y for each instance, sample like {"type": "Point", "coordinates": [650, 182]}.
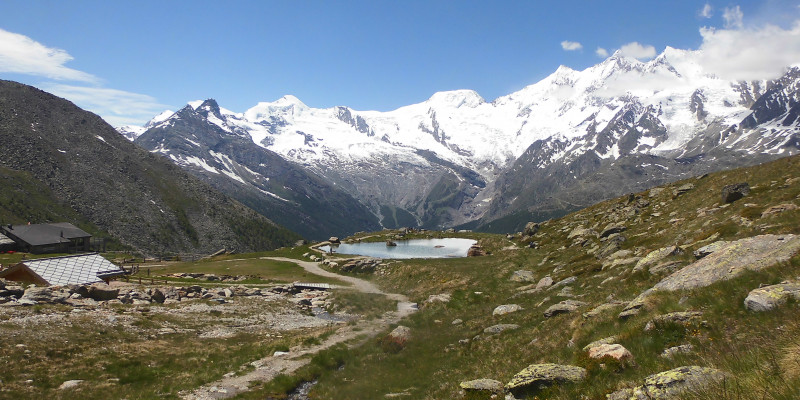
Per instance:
{"type": "Point", "coordinates": [733, 17]}
{"type": "Point", "coordinates": [750, 54]}
{"type": "Point", "coordinates": [571, 46]}
{"type": "Point", "coordinates": [637, 50]}
{"type": "Point", "coordinates": [707, 11]}
{"type": "Point", "coordinates": [601, 52]}
{"type": "Point", "coordinates": [23, 55]}
{"type": "Point", "coordinates": [117, 107]}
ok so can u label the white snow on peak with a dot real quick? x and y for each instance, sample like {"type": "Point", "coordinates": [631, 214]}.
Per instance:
{"type": "Point", "coordinates": [196, 103]}
{"type": "Point", "coordinates": [456, 99]}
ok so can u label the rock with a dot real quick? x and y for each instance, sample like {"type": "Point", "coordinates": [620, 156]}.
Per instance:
{"type": "Point", "coordinates": [457, 321]}
{"type": "Point", "coordinates": [612, 245]}
{"type": "Point", "coordinates": [672, 351]}
{"type": "Point", "coordinates": [537, 375]}
{"type": "Point", "coordinates": [390, 243]}
{"type": "Point", "coordinates": [608, 340]}
{"type": "Point", "coordinates": [778, 209]}
{"type": "Point", "coordinates": [770, 297]}
{"type": "Point", "coordinates": [531, 228]}
{"type": "Point", "coordinates": [602, 308]}
{"type": "Point", "coordinates": [47, 295]}
{"type": "Point", "coordinates": [522, 276]}
{"type": "Point", "coordinates": [656, 256]}
{"type": "Point", "coordinates": [614, 350]}
{"type": "Point", "coordinates": [495, 329]}
{"type": "Point", "coordinates": [564, 307]}
{"type": "Point", "coordinates": [158, 296]}
{"type": "Point", "coordinates": [475, 251]}
{"type": "Point", "coordinates": [563, 282]}
{"type": "Point", "coordinates": [545, 282]}
{"type": "Point", "coordinates": [683, 318]}
{"type": "Point", "coordinates": [683, 189]}
{"type": "Point", "coordinates": [620, 254]}
{"type": "Point", "coordinates": [334, 239]}
{"type": "Point", "coordinates": [710, 248]}
{"type": "Point", "coordinates": [506, 309]}
{"type": "Point", "coordinates": [731, 193]}
{"type": "Point", "coordinates": [655, 192]}
{"type": "Point", "coordinates": [488, 385]}
{"type": "Point", "coordinates": [438, 298]}
{"type": "Point", "coordinates": [70, 384]}
{"type": "Point", "coordinates": [401, 333]}
{"type": "Point", "coordinates": [672, 383]}
{"type": "Point", "coordinates": [227, 292]}
{"type": "Point", "coordinates": [730, 261]}
{"type": "Point", "coordinates": [581, 232]}
{"type": "Point", "coordinates": [611, 229]}
{"type": "Point", "coordinates": [665, 267]}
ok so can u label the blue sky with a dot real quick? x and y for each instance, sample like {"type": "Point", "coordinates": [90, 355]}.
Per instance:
{"type": "Point", "coordinates": [127, 61]}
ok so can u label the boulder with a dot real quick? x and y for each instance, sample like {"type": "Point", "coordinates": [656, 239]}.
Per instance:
{"type": "Point", "coordinates": [564, 307]}
{"type": "Point", "coordinates": [486, 385]}
{"type": "Point", "coordinates": [438, 298]}
{"type": "Point", "coordinates": [522, 276]}
{"type": "Point", "coordinates": [613, 350]}
{"type": "Point", "coordinates": [672, 351]}
{"type": "Point", "coordinates": [670, 384]}
{"type": "Point", "coordinates": [732, 260]}
{"type": "Point", "coordinates": [682, 189]}
{"type": "Point", "coordinates": [731, 193]}
{"type": "Point", "coordinates": [770, 297]}
{"type": "Point", "coordinates": [70, 384]}
{"type": "Point", "coordinates": [158, 296]}
{"type": "Point", "coordinates": [506, 309]}
{"type": "Point", "coordinates": [564, 282]}
{"type": "Point", "coordinates": [581, 232]}
{"type": "Point", "coordinates": [596, 343]}
{"type": "Point", "coordinates": [334, 239]}
{"type": "Point", "coordinates": [655, 256]}
{"type": "Point", "coordinates": [531, 228]}
{"type": "Point", "coordinates": [545, 282]}
{"type": "Point", "coordinates": [475, 251]}
{"type": "Point", "coordinates": [495, 329]}
{"type": "Point", "coordinates": [46, 295]}
{"type": "Point", "coordinates": [537, 375]}
{"type": "Point", "coordinates": [611, 229]}
{"type": "Point", "coordinates": [102, 292]}
{"type": "Point", "coordinates": [390, 243]}
{"type": "Point", "coordinates": [401, 333]}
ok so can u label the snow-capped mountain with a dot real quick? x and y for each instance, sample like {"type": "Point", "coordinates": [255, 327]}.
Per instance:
{"type": "Point", "coordinates": [456, 158]}
{"type": "Point", "coordinates": [131, 132]}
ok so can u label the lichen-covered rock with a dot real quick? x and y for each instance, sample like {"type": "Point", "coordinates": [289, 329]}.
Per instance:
{"type": "Point", "coordinates": [655, 256]}
{"type": "Point", "coordinates": [488, 385]}
{"type": "Point", "coordinates": [495, 329]}
{"type": "Point", "coordinates": [581, 232]}
{"type": "Point", "coordinates": [769, 297]}
{"type": "Point", "coordinates": [564, 307]}
{"type": "Point", "coordinates": [401, 333]}
{"type": "Point", "coordinates": [545, 282]}
{"type": "Point", "coordinates": [672, 383]}
{"type": "Point", "coordinates": [778, 209]}
{"type": "Point", "coordinates": [506, 309]}
{"type": "Point", "coordinates": [684, 318]}
{"type": "Point", "coordinates": [537, 375]}
{"type": "Point", "coordinates": [672, 351]}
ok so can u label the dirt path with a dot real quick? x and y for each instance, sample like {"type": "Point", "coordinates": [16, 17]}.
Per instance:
{"type": "Point", "coordinates": [269, 367]}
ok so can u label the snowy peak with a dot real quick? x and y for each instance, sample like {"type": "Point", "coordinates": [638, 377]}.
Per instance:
{"type": "Point", "coordinates": [456, 99]}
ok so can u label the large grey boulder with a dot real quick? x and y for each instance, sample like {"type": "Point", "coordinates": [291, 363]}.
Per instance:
{"type": "Point", "coordinates": [44, 295]}
{"type": "Point", "coordinates": [538, 375]}
{"type": "Point", "coordinates": [531, 228]}
{"type": "Point", "coordinates": [731, 193]}
{"type": "Point", "coordinates": [683, 318]}
{"type": "Point", "coordinates": [522, 276]}
{"type": "Point", "coordinates": [770, 297]}
{"type": "Point", "coordinates": [101, 292]}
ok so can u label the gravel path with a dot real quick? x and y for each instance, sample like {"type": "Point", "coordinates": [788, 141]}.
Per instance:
{"type": "Point", "coordinates": [269, 367]}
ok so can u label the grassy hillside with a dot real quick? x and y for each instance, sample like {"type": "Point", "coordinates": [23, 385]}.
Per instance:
{"type": "Point", "coordinates": [759, 351]}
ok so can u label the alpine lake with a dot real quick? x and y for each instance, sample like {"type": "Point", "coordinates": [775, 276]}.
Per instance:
{"type": "Point", "coordinates": [413, 248]}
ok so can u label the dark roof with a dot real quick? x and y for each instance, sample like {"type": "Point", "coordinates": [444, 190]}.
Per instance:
{"type": "Point", "coordinates": [79, 269]}
{"type": "Point", "coordinates": [43, 234]}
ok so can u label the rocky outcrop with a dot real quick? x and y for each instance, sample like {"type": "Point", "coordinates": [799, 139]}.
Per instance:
{"type": "Point", "coordinates": [655, 256]}
{"type": "Point", "coordinates": [564, 307]}
{"type": "Point", "coordinates": [770, 297]}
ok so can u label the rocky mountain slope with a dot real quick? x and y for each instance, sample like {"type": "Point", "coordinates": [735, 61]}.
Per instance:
{"type": "Point", "coordinates": [565, 142]}
{"type": "Point", "coordinates": [259, 178]}
{"type": "Point", "coordinates": [687, 290]}
{"type": "Point", "coordinates": [137, 197]}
